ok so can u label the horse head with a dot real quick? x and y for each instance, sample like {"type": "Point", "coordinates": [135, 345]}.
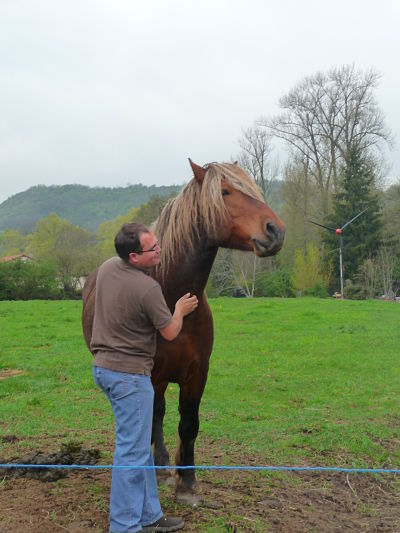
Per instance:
{"type": "Point", "coordinates": [241, 218]}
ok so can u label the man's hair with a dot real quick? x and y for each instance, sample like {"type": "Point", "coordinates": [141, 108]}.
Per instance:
{"type": "Point", "coordinates": [127, 240]}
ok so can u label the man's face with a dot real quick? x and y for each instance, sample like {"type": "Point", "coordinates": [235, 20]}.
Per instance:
{"type": "Point", "coordinates": [150, 255]}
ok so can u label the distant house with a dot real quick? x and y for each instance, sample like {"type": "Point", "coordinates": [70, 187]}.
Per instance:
{"type": "Point", "coordinates": [17, 257]}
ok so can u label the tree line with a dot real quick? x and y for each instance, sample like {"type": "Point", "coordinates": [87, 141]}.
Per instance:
{"type": "Point", "coordinates": [336, 140]}
{"type": "Point", "coordinates": [84, 206]}
{"type": "Point", "coordinates": [63, 254]}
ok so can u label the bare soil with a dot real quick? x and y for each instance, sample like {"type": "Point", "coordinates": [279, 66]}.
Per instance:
{"type": "Point", "coordinates": [9, 373]}
{"type": "Point", "coordinates": [77, 500]}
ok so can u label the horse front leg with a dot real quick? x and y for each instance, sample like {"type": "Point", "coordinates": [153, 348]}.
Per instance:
{"type": "Point", "coordinates": [187, 489]}
{"type": "Point", "coordinates": [160, 452]}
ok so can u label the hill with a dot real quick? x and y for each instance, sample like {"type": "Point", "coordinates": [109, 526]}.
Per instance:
{"type": "Point", "coordinates": [81, 205]}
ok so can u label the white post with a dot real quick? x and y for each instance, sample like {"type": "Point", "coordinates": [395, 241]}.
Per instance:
{"type": "Point", "coordinates": [341, 267]}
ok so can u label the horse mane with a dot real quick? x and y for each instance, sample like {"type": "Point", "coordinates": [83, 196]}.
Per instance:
{"type": "Point", "coordinates": [198, 210]}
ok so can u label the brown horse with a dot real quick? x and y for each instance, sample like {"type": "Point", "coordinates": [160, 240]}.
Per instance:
{"type": "Point", "coordinates": [220, 206]}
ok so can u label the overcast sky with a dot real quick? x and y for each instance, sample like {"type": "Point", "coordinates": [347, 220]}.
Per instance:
{"type": "Point", "coordinates": [111, 92]}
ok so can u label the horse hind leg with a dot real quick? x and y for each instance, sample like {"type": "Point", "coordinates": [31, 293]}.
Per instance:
{"type": "Point", "coordinates": [160, 452]}
{"type": "Point", "coordinates": [187, 489]}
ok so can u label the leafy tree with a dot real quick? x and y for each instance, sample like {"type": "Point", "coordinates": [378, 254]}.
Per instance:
{"type": "Point", "coordinates": [12, 242]}
{"type": "Point", "coordinates": [28, 280]}
{"type": "Point", "coordinates": [275, 283]}
{"type": "Point", "coordinates": [69, 247]}
{"type": "Point", "coordinates": [148, 212]}
{"type": "Point", "coordinates": [300, 197]}
{"type": "Point", "coordinates": [308, 274]}
{"type": "Point", "coordinates": [106, 234]}
{"type": "Point", "coordinates": [361, 239]}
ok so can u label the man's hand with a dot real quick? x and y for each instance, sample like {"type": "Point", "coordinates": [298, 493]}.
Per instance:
{"type": "Point", "coordinates": [186, 304]}
{"type": "Point", "coordinates": [183, 307]}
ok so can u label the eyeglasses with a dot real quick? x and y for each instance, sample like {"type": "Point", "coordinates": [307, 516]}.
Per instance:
{"type": "Point", "coordinates": [153, 249]}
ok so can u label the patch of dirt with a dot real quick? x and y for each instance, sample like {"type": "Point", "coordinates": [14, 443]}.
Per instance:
{"type": "Point", "coordinates": [234, 501]}
{"type": "Point", "coordinates": [69, 454]}
{"type": "Point", "coordinates": [10, 372]}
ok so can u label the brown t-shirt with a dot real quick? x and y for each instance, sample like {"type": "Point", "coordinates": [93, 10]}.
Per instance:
{"type": "Point", "coordinates": [129, 308]}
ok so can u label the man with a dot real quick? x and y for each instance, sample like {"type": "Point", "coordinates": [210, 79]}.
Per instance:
{"type": "Point", "coordinates": [129, 310]}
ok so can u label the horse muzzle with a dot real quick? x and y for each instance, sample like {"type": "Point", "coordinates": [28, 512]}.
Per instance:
{"type": "Point", "coordinates": [273, 242]}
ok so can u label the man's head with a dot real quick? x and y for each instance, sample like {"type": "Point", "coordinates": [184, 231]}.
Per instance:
{"type": "Point", "coordinates": [137, 245]}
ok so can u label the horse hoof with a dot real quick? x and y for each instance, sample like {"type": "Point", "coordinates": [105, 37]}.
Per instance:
{"type": "Point", "coordinates": [165, 476]}
{"type": "Point", "coordinates": [170, 480]}
{"type": "Point", "coordinates": [188, 498]}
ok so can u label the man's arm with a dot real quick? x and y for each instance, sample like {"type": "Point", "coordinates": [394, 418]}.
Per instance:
{"type": "Point", "coordinates": [184, 306]}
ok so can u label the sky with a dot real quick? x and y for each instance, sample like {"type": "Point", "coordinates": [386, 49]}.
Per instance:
{"type": "Point", "coordinates": [116, 92]}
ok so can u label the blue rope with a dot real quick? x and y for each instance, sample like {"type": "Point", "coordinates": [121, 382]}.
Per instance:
{"type": "Point", "coordinates": [204, 467]}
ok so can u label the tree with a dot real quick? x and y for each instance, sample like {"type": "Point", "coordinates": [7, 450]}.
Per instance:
{"type": "Point", "coordinates": [369, 277]}
{"type": "Point", "coordinates": [255, 157]}
{"type": "Point", "coordinates": [234, 269]}
{"type": "Point", "coordinates": [381, 275]}
{"type": "Point", "coordinates": [148, 212]}
{"type": "Point", "coordinates": [308, 272]}
{"type": "Point", "coordinates": [106, 234]}
{"type": "Point", "coordinates": [12, 242]}
{"type": "Point", "coordinates": [386, 263]}
{"type": "Point", "coordinates": [28, 281]}
{"type": "Point", "coordinates": [361, 240]}
{"type": "Point", "coordinates": [300, 198]}
{"type": "Point", "coordinates": [326, 114]}
{"type": "Point", "coordinates": [391, 215]}
{"type": "Point", "coordinates": [69, 247]}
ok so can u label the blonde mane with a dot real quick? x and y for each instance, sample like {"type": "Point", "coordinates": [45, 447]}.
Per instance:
{"type": "Point", "coordinates": [198, 209]}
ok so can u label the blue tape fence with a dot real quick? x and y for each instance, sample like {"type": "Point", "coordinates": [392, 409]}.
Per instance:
{"type": "Point", "coordinates": [223, 467]}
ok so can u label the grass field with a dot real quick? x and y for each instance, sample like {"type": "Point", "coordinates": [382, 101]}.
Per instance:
{"type": "Point", "coordinates": [296, 381]}
{"type": "Point", "coordinates": [303, 382]}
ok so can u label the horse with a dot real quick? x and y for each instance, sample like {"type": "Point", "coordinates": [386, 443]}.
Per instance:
{"type": "Point", "coordinates": [221, 206]}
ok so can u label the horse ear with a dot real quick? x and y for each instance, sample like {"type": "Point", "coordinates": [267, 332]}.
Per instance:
{"type": "Point", "coordinates": [235, 162]}
{"type": "Point", "coordinates": [198, 171]}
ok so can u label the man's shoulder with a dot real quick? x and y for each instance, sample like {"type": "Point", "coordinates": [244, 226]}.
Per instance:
{"type": "Point", "coordinates": [111, 263]}
{"type": "Point", "coordinates": [118, 267]}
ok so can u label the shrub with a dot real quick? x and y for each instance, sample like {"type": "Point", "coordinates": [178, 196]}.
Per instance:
{"type": "Point", "coordinates": [319, 290]}
{"type": "Point", "coordinates": [276, 283]}
{"type": "Point", "coordinates": [28, 281]}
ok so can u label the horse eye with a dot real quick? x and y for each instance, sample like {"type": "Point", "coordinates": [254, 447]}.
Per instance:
{"type": "Point", "coordinates": [225, 192]}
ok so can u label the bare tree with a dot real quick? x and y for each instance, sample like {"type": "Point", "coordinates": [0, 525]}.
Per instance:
{"type": "Point", "coordinates": [391, 212]}
{"type": "Point", "coordinates": [255, 157]}
{"type": "Point", "coordinates": [324, 115]}
{"type": "Point", "coordinates": [386, 266]}
{"type": "Point", "coordinates": [221, 276]}
{"type": "Point", "coordinates": [234, 269]}
{"type": "Point", "coordinates": [377, 274]}
{"type": "Point", "coordinates": [369, 277]}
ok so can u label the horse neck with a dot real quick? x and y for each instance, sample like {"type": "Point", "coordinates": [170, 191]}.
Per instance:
{"type": "Point", "coordinates": [188, 273]}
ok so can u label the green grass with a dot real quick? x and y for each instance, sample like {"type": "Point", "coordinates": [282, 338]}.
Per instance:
{"type": "Point", "coordinates": [296, 381]}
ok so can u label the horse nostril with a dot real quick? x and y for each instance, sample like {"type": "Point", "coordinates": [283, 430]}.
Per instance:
{"type": "Point", "coordinates": [272, 230]}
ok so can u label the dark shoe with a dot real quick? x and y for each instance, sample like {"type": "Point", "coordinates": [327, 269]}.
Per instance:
{"type": "Point", "coordinates": [165, 524]}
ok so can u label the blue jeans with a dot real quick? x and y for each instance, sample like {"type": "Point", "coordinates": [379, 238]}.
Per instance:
{"type": "Point", "coordinates": [134, 497]}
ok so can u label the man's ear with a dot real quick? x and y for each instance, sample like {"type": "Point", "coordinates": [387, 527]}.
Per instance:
{"type": "Point", "coordinates": [132, 258]}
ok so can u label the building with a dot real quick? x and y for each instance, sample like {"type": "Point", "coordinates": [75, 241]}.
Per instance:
{"type": "Point", "coordinates": [17, 257]}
